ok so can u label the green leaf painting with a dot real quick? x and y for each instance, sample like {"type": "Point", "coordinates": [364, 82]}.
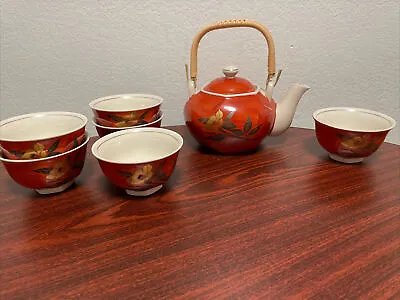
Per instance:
{"type": "Point", "coordinates": [247, 126]}
{"type": "Point", "coordinates": [54, 146]}
{"type": "Point", "coordinates": [43, 170]}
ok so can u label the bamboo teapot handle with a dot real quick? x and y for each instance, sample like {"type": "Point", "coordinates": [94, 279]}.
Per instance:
{"type": "Point", "coordinates": [231, 24]}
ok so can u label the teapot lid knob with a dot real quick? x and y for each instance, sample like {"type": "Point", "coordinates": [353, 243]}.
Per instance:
{"type": "Point", "coordinates": [230, 71]}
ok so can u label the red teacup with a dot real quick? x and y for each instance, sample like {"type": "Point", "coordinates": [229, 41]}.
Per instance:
{"type": "Point", "coordinates": [351, 134]}
{"type": "Point", "coordinates": [138, 160]}
{"type": "Point", "coordinates": [104, 130]}
{"type": "Point", "coordinates": [126, 110]}
{"type": "Point", "coordinates": [50, 174]}
{"type": "Point", "coordinates": [40, 135]}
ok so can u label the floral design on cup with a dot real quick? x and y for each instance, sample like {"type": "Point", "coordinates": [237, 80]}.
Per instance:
{"type": "Point", "coordinates": [38, 151]}
{"type": "Point", "coordinates": [124, 120]}
{"type": "Point", "coordinates": [62, 170]}
{"type": "Point", "coordinates": [57, 172]}
{"type": "Point", "coordinates": [141, 175]}
{"type": "Point", "coordinates": [128, 120]}
{"type": "Point", "coordinates": [145, 176]}
{"type": "Point", "coordinates": [221, 127]}
{"type": "Point", "coordinates": [358, 145]}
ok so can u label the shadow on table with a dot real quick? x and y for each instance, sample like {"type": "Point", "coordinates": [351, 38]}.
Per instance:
{"type": "Point", "coordinates": [312, 147]}
{"type": "Point", "coordinates": [12, 188]}
{"type": "Point", "coordinates": [268, 142]}
{"type": "Point", "coordinates": [350, 185]}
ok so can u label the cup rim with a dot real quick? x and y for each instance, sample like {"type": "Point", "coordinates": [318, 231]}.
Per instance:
{"type": "Point", "coordinates": [355, 109]}
{"type": "Point", "coordinates": [45, 158]}
{"type": "Point", "coordinates": [129, 127]}
{"type": "Point", "coordinates": [110, 136]}
{"type": "Point", "coordinates": [93, 103]}
{"type": "Point", "coordinates": [44, 113]}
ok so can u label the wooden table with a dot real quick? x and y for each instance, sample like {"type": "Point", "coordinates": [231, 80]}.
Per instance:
{"type": "Point", "coordinates": [283, 222]}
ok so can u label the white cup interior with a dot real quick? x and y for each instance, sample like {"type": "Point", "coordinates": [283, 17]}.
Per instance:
{"type": "Point", "coordinates": [137, 145]}
{"type": "Point", "coordinates": [354, 119]}
{"type": "Point", "coordinates": [40, 126]}
{"type": "Point", "coordinates": [126, 102]}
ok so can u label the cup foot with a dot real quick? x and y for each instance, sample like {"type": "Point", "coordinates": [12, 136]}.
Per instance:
{"type": "Point", "coordinates": [58, 189]}
{"type": "Point", "coordinates": [351, 160]}
{"type": "Point", "coordinates": [144, 193]}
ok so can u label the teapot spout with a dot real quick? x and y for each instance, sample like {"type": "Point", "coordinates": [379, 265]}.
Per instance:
{"type": "Point", "coordinates": [286, 108]}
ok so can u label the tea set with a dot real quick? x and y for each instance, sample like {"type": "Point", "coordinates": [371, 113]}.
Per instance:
{"type": "Point", "coordinates": [46, 151]}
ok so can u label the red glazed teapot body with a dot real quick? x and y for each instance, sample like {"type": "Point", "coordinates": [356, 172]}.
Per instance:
{"type": "Point", "coordinates": [230, 115]}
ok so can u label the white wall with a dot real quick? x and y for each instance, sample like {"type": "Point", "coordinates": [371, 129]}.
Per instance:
{"type": "Point", "coordinates": [59, 55]}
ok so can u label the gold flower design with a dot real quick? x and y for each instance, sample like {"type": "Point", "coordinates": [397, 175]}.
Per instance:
{"type": "Point", "coordinates": [356, 142]}
{"type": "Point", "coordinates": [126, 120]}
{"type": "Point", "coordinates": [141, 176]}
{"type": "Point", "coordinates": [215, 121]}
{"type": "Point", "coordinates": [126, 123]}
{"type": "Point", "coordinates": [38, 151]}
{"type": "Point", "coordinates": [59, 170]}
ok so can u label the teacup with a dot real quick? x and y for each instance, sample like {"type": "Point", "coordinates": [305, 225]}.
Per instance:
{"type": "Point", "coordinates": [139, 160]}
{"type": "Point", "coordinates": [104, 130]}
{"type": "Point", "coordinates": [351, 134]}
{"type": "Point", "coordinates": [126, 110]}
{"type": "Point", "coordinates": [48, 175]}
{"type": "Point", "coordinates": [42, 134]}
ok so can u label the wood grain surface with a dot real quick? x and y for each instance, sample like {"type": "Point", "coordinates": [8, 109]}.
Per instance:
{"type": "Point", "coordinates": [282, 222]}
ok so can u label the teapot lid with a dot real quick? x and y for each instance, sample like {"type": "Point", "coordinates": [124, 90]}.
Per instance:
{"type": "Point", "coordinates": [230, 85]}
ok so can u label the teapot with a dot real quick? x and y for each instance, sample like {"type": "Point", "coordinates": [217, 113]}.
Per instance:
{"type": "Point", "coordinates": [230, 114]}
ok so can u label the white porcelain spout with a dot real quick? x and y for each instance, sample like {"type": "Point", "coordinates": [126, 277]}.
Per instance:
{"type": "Point", "coordinates": [286, 108]}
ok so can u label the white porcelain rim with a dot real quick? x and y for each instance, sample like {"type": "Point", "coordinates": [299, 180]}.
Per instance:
{"type": "Point", "coordinates": [107, 137]}
{"type": "Point", "coordinates": [124, 128]}
{"type": "Point", "coordinates": [93, 103]}
{"type": "Point", "coordinates": [355, 109]}
{"type": "Point", "coordinates": [45, 158]}
{"type": "Point", "coordinates": [47, 113]}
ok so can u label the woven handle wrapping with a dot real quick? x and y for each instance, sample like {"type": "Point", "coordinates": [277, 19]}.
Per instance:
{"type": "Point", "coordinates": [230, 24]}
